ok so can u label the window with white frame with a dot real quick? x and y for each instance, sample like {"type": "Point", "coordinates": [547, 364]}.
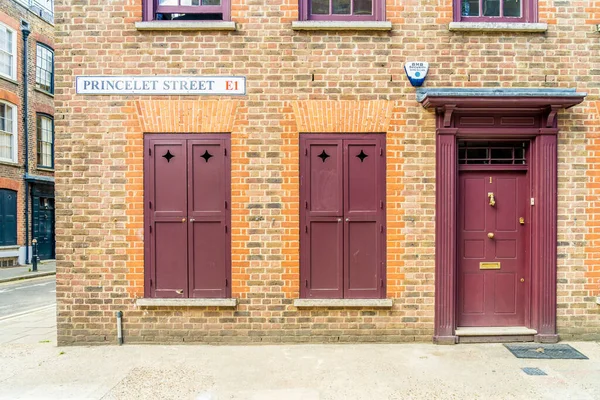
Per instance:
{"type": "Point", "coordinates": [8, 132]}
{"type": "Point", "coordinates": [45, 137]}
{"type": "Point", "coordinates": [8, 51]}
{"type": "Point", "coordinates": [44, 69]}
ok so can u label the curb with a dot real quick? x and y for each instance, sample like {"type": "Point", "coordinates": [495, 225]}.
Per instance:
{"type": "Point", "coordinates": [24, 277]}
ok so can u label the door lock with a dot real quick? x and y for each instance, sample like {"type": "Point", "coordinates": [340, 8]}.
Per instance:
{"type": "Point", "coordinates": [491, 235]}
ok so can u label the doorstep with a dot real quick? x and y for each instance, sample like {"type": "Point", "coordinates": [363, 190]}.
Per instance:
{"type": "Point", "coordinates": [495, 334]}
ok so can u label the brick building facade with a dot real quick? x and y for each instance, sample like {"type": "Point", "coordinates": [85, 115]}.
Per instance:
{"type": "Point", "coordinates": [26, 174]}
{"type": "Point", "coordinates": [532, 87]}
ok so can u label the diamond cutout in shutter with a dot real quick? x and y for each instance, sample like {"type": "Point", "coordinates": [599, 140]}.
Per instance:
{"type": "Point", "coordinates": [323, 156]}
{"type": "Point", "coordinates": [168, 156]}
{"type": "Point", "coordinates": [207, 156]}
{"type": "Point", "coordinates": [362, 156]}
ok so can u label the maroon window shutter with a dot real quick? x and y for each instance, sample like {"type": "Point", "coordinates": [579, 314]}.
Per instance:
{"type": "Point", "coordinates": [322, 224]}
{"type": "Point", "coordinates": [166, 208]}
{"type": "Point", "coordinates": [208, 210]}
{"type": "Point", "coordinates": [364, 237]}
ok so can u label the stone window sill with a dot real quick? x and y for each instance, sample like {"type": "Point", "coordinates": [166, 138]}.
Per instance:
{"type": "Point", "coordinates": [7, 79]}
{"type": "Point", "coordinates": [598, 300]}
{"type": "Point", "coordinates": [45, 169]}
{"type": "Point", "coordinates": [497, 27]}
{"type": "Point", "coordinates": [328, 303]}
{"type": "Point", "coordinates": [185, 26]}
{"type": "Point", "coordinates": [186, 302]}
{"type": "Point", "coordinates": [44, 92]}
{"type": "Point", "coordinates": [10, 163]}
{"type": "Point", "coordinates": [341, 25]}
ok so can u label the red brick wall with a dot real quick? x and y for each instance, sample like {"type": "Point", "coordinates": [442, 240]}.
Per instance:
{"type": "Point", "coordinates": [11, 14]}
{"type": "Point", "coordinates": [347, 81]}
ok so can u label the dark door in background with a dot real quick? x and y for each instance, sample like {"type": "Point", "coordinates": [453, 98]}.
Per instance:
{"type": "Point", "coordinates": [343, 216]}
{"type": "Point", "coordinates": [493, 222]}
{"type": "Point", "coordinates": [45, 227]}
{"type": "Point", "coordinates": [8, 217]}
{"type": "Point", "coordinates": [187, 186]}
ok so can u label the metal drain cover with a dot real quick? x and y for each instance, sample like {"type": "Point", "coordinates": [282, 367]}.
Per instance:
{"type": "Point", "coordinates": [545, 351]}
{"type": "Point", "coordinates": [533, 371]}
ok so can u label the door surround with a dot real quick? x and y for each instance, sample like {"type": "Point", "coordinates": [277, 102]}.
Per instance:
{"type": "Point", "coordinates": [519, 114]}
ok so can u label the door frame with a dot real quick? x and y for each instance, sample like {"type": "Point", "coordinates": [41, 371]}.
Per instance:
{"type": "Point", "coordinates": [499, 116]}
{"type": "Point", "coordinates": [304, 254]}
{"type": "Point", "coordinates": [524, 169]}
{"type": "Point", "coordinates": [147, 140]}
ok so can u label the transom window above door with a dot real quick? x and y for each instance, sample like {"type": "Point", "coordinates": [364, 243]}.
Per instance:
{"type": "Point", "coordinates": [495, 10]}
{"type": "Point", "coordinates": [342, 10]}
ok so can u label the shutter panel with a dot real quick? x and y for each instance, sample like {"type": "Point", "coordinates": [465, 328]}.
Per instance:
{"type": "Point", "coordinates": [364, 238]}
{"type": "Point", "coordinates": [209, 234]}
{"type": "Point", "coordinates": [166, 186]}
{"type": "Point", "coordinates": [321, 198]}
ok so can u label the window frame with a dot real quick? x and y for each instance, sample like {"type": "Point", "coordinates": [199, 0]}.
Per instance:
{"type": "Point", "coordinates": [530, 14]}
{"type": "Point", "coordinates": [38, 119]}
{"type": "Point", "coordinates": [14, 51]}
{"type": "Point", "coordinates": [15, 143]}
{"type": "Point", "coordinates": [150, 8]}
{"type": "Point", "coordinates": [37, 66]}
{"type": "Point", "coordinates": [305, 15]}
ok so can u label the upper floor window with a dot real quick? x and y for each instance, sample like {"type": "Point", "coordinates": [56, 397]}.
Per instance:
{"type": "Point", "coordinates": [44, 69]}
{"type": "Point", "coordinates": [495, 10]}
{"type": "Point", "coordinates": [8, 132]}
{"type": "Point", "coordinates": [8, 51]}
{"type": "Point", "coordinates": [342, 10]}
{"type": "Point", "coordinates": [45, 140]}
{"type": "Point", "coordinates": [187, 10]}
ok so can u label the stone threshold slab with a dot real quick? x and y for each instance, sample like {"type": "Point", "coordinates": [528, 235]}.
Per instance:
{"type": "Point", "coordinates": [495, 331]}
{"type": "Point", "coordinates": [370, 303]}
{"type": "Point", "coordinates": [186, 302]}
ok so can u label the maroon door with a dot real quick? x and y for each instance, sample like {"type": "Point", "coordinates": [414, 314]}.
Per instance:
{"type": "Point", "coordinates": [343, 216]}
{"type": "Point", "coordinates": [187, 216]}
{"type": "Point", "coordinates": [493, 232]}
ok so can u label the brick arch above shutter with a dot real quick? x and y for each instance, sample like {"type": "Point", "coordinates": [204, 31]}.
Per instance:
{"type": "Point", "coordinates": [186, 116]}
{"type": "Point", "coordinates": [318, 116]}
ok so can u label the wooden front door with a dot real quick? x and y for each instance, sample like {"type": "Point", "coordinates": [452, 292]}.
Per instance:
{"type": "Point", "coordinates": [493, 266]}
{"type": "Point", "coordinates": [187, 183]}
{"type": "Point", "coordinates": [343, 215]}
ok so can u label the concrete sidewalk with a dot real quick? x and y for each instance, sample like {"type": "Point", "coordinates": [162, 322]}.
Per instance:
{"type": "Point", "coordinates": [32, 367]}
{"type": "Point", "coordinates": [45, 268]}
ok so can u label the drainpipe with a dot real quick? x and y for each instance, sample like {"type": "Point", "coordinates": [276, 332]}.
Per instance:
{"type": "Point", "coordinates": [25, 109]}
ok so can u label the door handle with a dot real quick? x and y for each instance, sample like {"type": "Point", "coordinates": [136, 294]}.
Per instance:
{"type": "Point", "coordinates": [339, 220]}
{"type": "Point", "coordinates": [182, 219]}
{"type": "Point", "coordinates": [192, 219]}
{"type": "Point", "coordinates": [180, 291]}
{"type": "Point", "coordinates": [491, 235]}
{"type": "Point", "coordinates": [492, 199]}
{"type": "Point", "coordinates": [347, 219]}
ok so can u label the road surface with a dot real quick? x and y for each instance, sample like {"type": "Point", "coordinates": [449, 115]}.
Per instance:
{"type": "Point", "coordinates": [22, 296]}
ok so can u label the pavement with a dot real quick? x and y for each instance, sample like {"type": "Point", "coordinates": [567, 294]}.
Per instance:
{"type": "Point", "coordinates": [45, 268]}
{"type": "Point", "coordinates": [32, 367]}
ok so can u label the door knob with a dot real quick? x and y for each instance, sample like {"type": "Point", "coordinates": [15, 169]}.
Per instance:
{"type": "Point", "coordinates": [192, 219]}
{"type": "Point", "coordinates": [347, 219]}
{"type": "Point", "coordinates": [522, 280]}
{"type": "Point", "coordinates": [491, 235]}
{"type": "Point", "coordinates": [182, 219]}
{"type": "Point", "coordinates": [339, 220]}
